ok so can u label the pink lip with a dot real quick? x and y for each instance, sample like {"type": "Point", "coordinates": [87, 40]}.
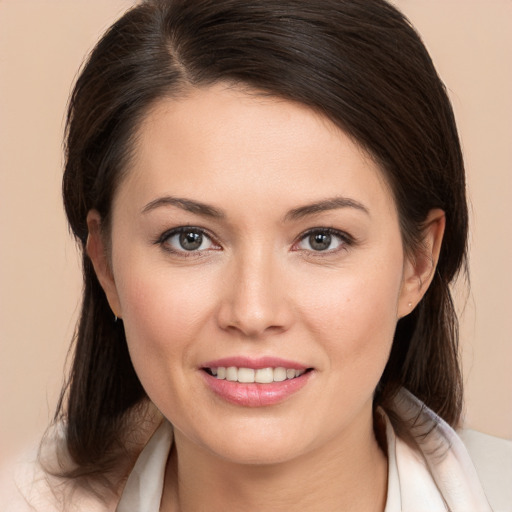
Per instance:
{"type": "Point", "coordinates": [256, 363]}
{"type": "Point", "coordinates": [254, 394]}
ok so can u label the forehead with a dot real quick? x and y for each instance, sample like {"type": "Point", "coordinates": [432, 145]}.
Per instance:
{"type": "Point", "coordinates": [225, 139]}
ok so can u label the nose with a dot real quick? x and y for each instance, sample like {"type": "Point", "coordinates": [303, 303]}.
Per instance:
{"type": "Point", "coordinates": [254, 300]}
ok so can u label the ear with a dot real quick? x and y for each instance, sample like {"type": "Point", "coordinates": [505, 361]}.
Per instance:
{"type": "Point", "coordinates": [98, 254]}
{"type": "Point", "coordinates": [420, 267]}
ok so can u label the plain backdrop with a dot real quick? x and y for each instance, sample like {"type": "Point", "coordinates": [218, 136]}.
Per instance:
{"type": "Point", "coordinates": [43, 42]}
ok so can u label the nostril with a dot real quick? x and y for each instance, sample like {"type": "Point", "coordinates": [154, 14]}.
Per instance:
{"type": "Point", "coordinates": [254, 310]}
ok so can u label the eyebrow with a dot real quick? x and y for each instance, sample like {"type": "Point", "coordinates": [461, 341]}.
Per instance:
{"type": "Point", "coordinates": [332, 203]}
{"type": "Point", "coordinates": [205, 210]}
{"type": "Point", "coordinates": [185, 204]}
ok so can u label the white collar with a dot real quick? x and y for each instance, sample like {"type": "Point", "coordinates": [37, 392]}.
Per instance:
{"type": "Point", "coordinates": [438, 477]}
{"type": "Point", "coordinates": [143, 489]}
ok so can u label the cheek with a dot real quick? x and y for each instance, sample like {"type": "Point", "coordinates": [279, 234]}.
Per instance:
{"type": "Point", "coordinates": [163, 312]}
{"type": "Point", "coordinates": [355, 314]}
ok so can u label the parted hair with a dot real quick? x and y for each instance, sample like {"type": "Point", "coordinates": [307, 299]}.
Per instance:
{"type": "Point", "coordinates": [361, 64]}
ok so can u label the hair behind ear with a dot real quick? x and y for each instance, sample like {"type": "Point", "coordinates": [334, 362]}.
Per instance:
{"type": "Point", "coordinates": [425, 356]}
{"type": "Point", "coordinates": [94, 420]}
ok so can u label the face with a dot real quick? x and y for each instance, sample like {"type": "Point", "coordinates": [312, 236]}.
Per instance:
{"type": "Point", "coordinates": [258, 267]}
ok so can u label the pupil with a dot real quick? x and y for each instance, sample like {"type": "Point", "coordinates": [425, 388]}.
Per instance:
{"type": "Point", "coordinates": [191, 241]}
{"type": "Point", "coordinates": [320, 241]}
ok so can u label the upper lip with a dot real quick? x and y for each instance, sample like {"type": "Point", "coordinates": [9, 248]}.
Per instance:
{"type": "Point", "coordinates": [256, 363]}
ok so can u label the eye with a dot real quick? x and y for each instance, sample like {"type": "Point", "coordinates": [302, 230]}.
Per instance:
{"type": "Point", "coordinates": [323, 240]}
{"type": "Point", "coordinates": [187, 240]}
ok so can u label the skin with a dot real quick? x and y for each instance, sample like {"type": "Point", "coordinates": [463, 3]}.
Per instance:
{"type": "Point", "coordinates": [258, 287]}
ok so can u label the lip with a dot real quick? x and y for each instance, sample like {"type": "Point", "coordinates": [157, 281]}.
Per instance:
{"type": "Point", "coordinates": [255, 394]}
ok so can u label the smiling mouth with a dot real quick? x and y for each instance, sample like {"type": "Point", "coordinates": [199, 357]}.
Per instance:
{"type": "Point", "coordinates": [258, 376]}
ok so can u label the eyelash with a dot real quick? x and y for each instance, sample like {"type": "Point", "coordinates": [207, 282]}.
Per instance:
{"type": "Point", "coordinates": [345, 241]}
{"type": "Point", "coordinates": [164, 239]}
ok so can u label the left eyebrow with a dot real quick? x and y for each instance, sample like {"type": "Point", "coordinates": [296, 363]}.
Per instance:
{"type": "Point", "coordinates": [188, 205]}
{"type": "Point", "coordinates": [333, 203]}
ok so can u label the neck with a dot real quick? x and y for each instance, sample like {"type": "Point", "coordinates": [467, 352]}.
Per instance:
{"type": "Point", "coordinates": [348, 473]}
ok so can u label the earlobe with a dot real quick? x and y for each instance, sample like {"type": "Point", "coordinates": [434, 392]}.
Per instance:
{"type": "Point", "coordinates": [420, 267]}
{"type": "Point", "coordinates": [98, 254]}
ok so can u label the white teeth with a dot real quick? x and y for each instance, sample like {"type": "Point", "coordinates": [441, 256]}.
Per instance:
{"type": "Point", "coordinates": [260, 376]}
{"type": "Point", "coordinates": [245, 375]}
{"type": "Point", "coordinates": [264, 376]}
{"type": "Point", "coordinates": [279, 374]}
{"type": "Point", "coordinates": [232, 373]}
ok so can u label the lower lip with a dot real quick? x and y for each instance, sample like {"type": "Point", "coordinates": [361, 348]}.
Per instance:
{"type": "Point", "coordinates": [253, 394]}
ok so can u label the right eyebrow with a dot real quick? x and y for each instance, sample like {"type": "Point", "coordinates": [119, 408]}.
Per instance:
{"type": "Point", "coordinates": [185, 204]}
{"type": "Point", "coordinates": [332, 203]}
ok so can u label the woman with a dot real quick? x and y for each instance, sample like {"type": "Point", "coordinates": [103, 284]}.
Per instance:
{"type": "Point", "coordinates": [270, 199]}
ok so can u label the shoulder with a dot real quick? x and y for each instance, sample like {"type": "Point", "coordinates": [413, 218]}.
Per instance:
{"type": "Point", "coordinates": [30, 482]}
{"type": "Point", "coordinates": [492, 458]}
{"type": "Point", "coordinates": [467, 466]}
{"type": "Point", "coordinates": [25, 486]}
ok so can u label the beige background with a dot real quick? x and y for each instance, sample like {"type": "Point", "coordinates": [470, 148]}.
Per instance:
{"type": "Point", "coordinates": [42, 43]}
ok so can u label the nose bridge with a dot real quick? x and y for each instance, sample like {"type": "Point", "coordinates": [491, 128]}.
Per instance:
{"type": "Point", "coordinates": [254, 301]}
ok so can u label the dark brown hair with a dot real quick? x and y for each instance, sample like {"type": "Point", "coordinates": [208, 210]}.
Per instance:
{"type": "Point", "coordinates": [358, 62]}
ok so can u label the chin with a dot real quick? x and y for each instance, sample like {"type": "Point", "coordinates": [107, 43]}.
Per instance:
{"type": "Point", "coordinates": [261, 444]}
{"type": "Point", "coordinates": [261, 454]}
